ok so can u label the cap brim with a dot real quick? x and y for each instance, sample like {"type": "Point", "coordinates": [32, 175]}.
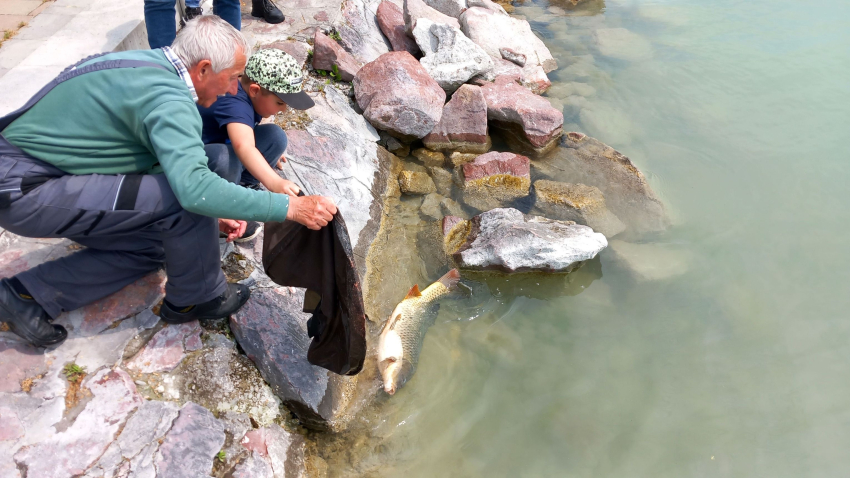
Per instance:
{"type": "Point", "coordinates": [299, 101]}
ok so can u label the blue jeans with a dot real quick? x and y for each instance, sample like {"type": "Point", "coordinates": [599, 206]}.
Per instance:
{"type": "Point", "coordinates": [270, 140]}
{"type": "Point", "coordinates": [162, 26]}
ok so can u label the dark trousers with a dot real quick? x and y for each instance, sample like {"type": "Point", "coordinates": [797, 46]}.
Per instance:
{"type": "Point", "coordinates": [269, 139]}
{"type": "Point", "coordinates": [125, 239]}
{"type": "Point", "coordinates": [162, 24]}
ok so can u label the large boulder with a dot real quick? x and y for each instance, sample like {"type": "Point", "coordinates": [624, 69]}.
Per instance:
{"type": "Point", "coordinates": [463, 126]}
{"type": "Point", "coordinates": [495, 179]}
{"type": "Point", "coordinates": [529, 122]}
{"type": "Point", "coordinates": [398, 96]}
{"type": "Point", "coordinates": [576, 202]}
{"type": "Point", "coordinates": [506, 240]}
{"type": "Point", "coordinates": [452, 8]}
{"type": "Point", "coordinates": [450, 58]}
{"type": "Point", "coordinates": [327, 53]}
{"type": "Point", "coordinates": [585, 160]}
{"type": "Point", "coordinates": [415, 9]}
{"type": "Point", "coordinates": [391, 20]}
{"type": "Point", "coordinates": [359, 33]}
{"type": "Point", "coordinates": [530, 76]}
{"type": "Point", "coordinates": [494, 30]}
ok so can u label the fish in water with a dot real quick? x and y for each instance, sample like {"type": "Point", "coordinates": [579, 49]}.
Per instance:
{"type": "Point", "coordinates": [402, 336]}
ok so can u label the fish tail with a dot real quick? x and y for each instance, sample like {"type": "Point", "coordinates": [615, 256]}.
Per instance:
{"type": "Point", "coordinates": [450, 280]}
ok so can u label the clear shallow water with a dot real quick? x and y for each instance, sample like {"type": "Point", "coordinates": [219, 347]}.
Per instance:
{"type": "Point", "coordinates": [739, 115]}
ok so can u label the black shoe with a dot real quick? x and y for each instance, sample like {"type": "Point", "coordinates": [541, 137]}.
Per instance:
{"type": "Point", "coordinates": [192, 12]}
{"type": "Point", "coordinates": [221, 307]}
{"type": "Point", "coordinates": [28, 319]}
{"type": "Point", "coordinates": [267, 10]}
{"type": "Point", "coordinates": [252, 230]}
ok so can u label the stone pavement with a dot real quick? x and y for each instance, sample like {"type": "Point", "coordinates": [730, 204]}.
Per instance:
{"type": "Point", "coordinates": [15, 12]}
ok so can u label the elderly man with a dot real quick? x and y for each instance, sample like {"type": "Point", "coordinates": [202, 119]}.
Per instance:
{"type": "Point", "coordinates": [110, 155]}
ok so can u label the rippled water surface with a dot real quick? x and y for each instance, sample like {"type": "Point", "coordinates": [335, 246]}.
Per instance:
{"type": "Point", "coordinates": [738, 112]}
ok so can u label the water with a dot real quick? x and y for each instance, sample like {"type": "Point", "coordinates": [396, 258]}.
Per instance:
{"type": "Point", "coordinates": [738, 112]}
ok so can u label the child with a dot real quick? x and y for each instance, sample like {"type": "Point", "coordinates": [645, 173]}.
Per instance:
{"type": "Point", "coordinates": [239, 149]}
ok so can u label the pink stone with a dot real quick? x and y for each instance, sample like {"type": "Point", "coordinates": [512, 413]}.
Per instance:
{"type": "Point", "coordinates": [19, 361]}
{"type": "Point", "coordinates": [136, 297]}
{"type": "Point", "coordinates": [321, 16]}
{"type": "Point", "coordinates": [463, 126]}
{"type": "Point", "coordinates": [23, 253]}
{"type": "Point", "coordinates": [10, 426]}
{"type": "Point", "coordinates": [166, 348]}
{"type": "Point", "coordinates": [187, 451]}
{"type": "Point", "coordinates": [398, 96]}
{"type": "Point", "coordinates": [538, 122]}
{"type": "Point", "coordinates": [391, 20]}
{"type": "Point", "coordinates": [494, 163]}
{"type": "Point", "coordinates": [449, 222]}
{"type": "Point", "coordinates": [327, 53]}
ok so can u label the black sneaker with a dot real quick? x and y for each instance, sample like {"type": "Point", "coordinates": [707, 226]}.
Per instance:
{"type": "Point", "coordinates": [267, 10]}
{"type": "Point", "coordinates": [219, 308]}
{"type": "Point", "coordinates": [190, 13]}
{"type": "Point", "coordinates": [252, 230]}
{"type": "Point", "coordinates": [27, 319]}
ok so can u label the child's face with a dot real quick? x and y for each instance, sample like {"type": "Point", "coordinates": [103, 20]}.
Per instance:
{"type": "Point", "coordinates": [265, 103]}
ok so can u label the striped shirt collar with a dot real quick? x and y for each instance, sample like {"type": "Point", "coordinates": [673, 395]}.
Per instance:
{"type": "Point", "coordinates": [181, 70]}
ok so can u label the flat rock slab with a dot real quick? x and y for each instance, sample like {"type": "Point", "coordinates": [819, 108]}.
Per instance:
{"type": "Point", "coordinates": [281, 451]}
{"type": "Point", "coordinates": [450, 58]}
{"type": "Point", "coordinates": [391, 20]}
{"type": "Point", "coordinates": [529, 122]}
{"type": "Point", "coordinates": [20, 361]}
{"type": "Point", "coordinates": [463, 126]}
{"type": "Point", "coordinates": [494, 30]}
{"type": "Point", "coordinates": [167, 348]}
{"type": "Point", "coordinates": [359, 31]}
{"type": "Point", "coordinates": [576, 202]}
{"type": "Point", "coordinates": [495, 179]}
{"type": "Point", "coordinates": [398, 95]}
{"type": "Point", "coordinates": [508, 241]}
{"type": "Point", "coordinates": [188, 450]}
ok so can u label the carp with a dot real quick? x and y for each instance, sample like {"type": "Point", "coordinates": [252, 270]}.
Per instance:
{"type": "Point", "coordinates": [402, 335]}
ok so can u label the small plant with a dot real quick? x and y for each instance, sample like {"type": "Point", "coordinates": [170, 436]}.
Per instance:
{"type": "Point", "coordinates": [221, 456]}
{"type": "Point", "coordinates": [335, 35]}
{"type": "Point", "coordinates": [74, 372]}
{"type": "Point", "coordinates": [22, 24]}
{"type": "Point", "coordinates": [336, 75]}
{"type": "Point", "coordinates": [8, 34]}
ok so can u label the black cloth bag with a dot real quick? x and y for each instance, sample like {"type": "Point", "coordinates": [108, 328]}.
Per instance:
{"type": "Point", "coordinates": [322, 262]}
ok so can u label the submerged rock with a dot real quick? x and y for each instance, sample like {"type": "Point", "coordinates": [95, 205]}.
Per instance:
{"type": "Point", "coordinates": [429, 157]}
{"type": "Point", "coordinates": [412, 182]}
{"type": "Point", "coordinates": [415, 9]}
{"type": "Point", "coordinates": [622, 44]}
{"type": "Point", "coordinates": [576, 202]}
{"type": "Point", "coordinates": [463, 126]}
{"type": "Point", "coordinates": [494, 179]}
{"type": "Point", "coordinates": [529, 122]}
{"type": "Point", "coordinates": [650, 262]}
{"type": "Point", "coordinates": [391, 20]}
{"type": "Point", "coordinates": [457, 158]}
{"type": "Point", "coordinates": [450, 58]}
{"type": "Point", "coordinates": [397, 95]}
{"type": "Point", "coordinates": [327, 54]}
{"type": "Point", "coordinates": [507, 240]}
{"type": "Point", "coordinates": [494, 30]}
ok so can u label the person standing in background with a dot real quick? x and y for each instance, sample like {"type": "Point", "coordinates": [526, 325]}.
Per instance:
{"type": "Point", "coordinates": [161, 21]}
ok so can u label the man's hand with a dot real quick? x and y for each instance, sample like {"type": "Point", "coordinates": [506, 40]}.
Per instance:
{"type": "Point", "coordinates": [315, 212]}
{"type": "Point", "coordinates": [233, 228]}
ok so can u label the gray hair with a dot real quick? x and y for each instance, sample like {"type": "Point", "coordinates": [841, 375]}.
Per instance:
{"type": "Point", "coordinates": [208, 37]}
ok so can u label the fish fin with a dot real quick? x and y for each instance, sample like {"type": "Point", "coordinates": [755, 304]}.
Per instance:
{"type": "Point", "coordinates": [413, 292]}
{"type": "Point", "coordinates": [450, 280]}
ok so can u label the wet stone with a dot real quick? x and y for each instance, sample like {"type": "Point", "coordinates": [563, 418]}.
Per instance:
{"type": "Point", "coordinates": [458, 158]}
{"type": "Point", "coordinates": [576, 202]}
{"type": "Point", "coordinates": [494, 179]}
{"type": "Point", "coordinates": [442, 179]}
{"type": "Point", "coordinates": [412, 182]}
{"type": "Point", "coordinates": [431, 206]}
{"type": "Point", "coordinates": [463, 126]}
{"type": "Point", "coordinates": [429, 157]}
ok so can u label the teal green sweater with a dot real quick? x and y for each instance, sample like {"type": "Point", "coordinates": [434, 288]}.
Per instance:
{"type": "Point", "coordinates": [137, 120]}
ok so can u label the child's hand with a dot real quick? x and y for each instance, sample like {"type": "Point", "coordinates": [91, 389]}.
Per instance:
{"type": "Point", "coordinates": [281, 161]}
{"type": "Point", "coordinates": [288, 187]}
{"type": "Point", "coordinates": [233, 228]}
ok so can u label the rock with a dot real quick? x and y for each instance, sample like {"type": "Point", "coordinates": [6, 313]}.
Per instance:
{"type": "Point", "coordinates": [136, 446]}
{"type": "Point", "coordinates": [254, 466]}
{"type": "Point", "coordinates": [393, 145]}
{"type": "Point", "coordinates": [450, 58]}
{"type": "Point", "coordinates": [327, 54]}
{"type": "Point", "coordinates": [507, 240]}
{"type": "Point", "coordinates": [416, 183]}
{"type": "Point", "coordinates": [189, 448]}
{"type": "Point", "coordinates": [650, 262]}
{"type": "Point", "coordinates": [455, 232]}
{"type": "Point", "coordinates": [529, 122]}
{"type": "Point", "coordinates": [488, 5]}
{"type": "Point", "coordinates": [283, 451]}
{"type": "Point", "coordinates": [513, 56]}
{"type": "Point", "coordinates": [297, 49]}
{"type": "Point", "coordinates": [391, 20]}
{"type": "Point", "coordinates": [167, 348]}
{"type": "Point", "coordinates": [20, 362]}
{"type": "Point", "coordinates": [622, 44]}
{"type": "Point", "coordinates": [531, 76]}
{"type": "Point", "coordinates": [359, 33]}
{"type": "Point", "coordinates": [450, 207]}
{"type": "Point", "coordinates": [415, 9]}
{"type": "Point", "coordinates": [493, 30]}
{"type": "Point", "coordinates": [576, 202]}
{"type": "Point", "coordinates": [397, 95]}
{"type": "Point", "coordinates": [627, 194]}
{"type": "Point", "coordinates": [458, 158]}
{"type": "Point", "coordinates": [452, 8]}
{"type": "Point", "coordinates": [429, 157]}
{"type": "Point", "coordinates": [493, 179]}
{"type": "Point", "coordinates": [70, 452]}
{"type": "Point", "coordinates": [463, 125]}
{"type": "Point", "coordinates": [442, 179]}
{"type": "Point", "coordinates": [431, 206]}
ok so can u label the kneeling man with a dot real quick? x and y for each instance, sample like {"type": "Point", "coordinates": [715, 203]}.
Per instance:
{"type": "Point", "coordinates": [110, 155]}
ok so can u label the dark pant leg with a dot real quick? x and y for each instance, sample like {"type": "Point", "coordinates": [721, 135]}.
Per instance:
{"type": "Point", "coordinates": [223, 161]}
{"type": "Point", "coordinates": [123, 244]}
{"type": "Point", "coordinates": [230, 11]}
{"type": "Point", "coordinates": [160, 19]}
{"type": "Point", "coordinates": [271, 141]}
